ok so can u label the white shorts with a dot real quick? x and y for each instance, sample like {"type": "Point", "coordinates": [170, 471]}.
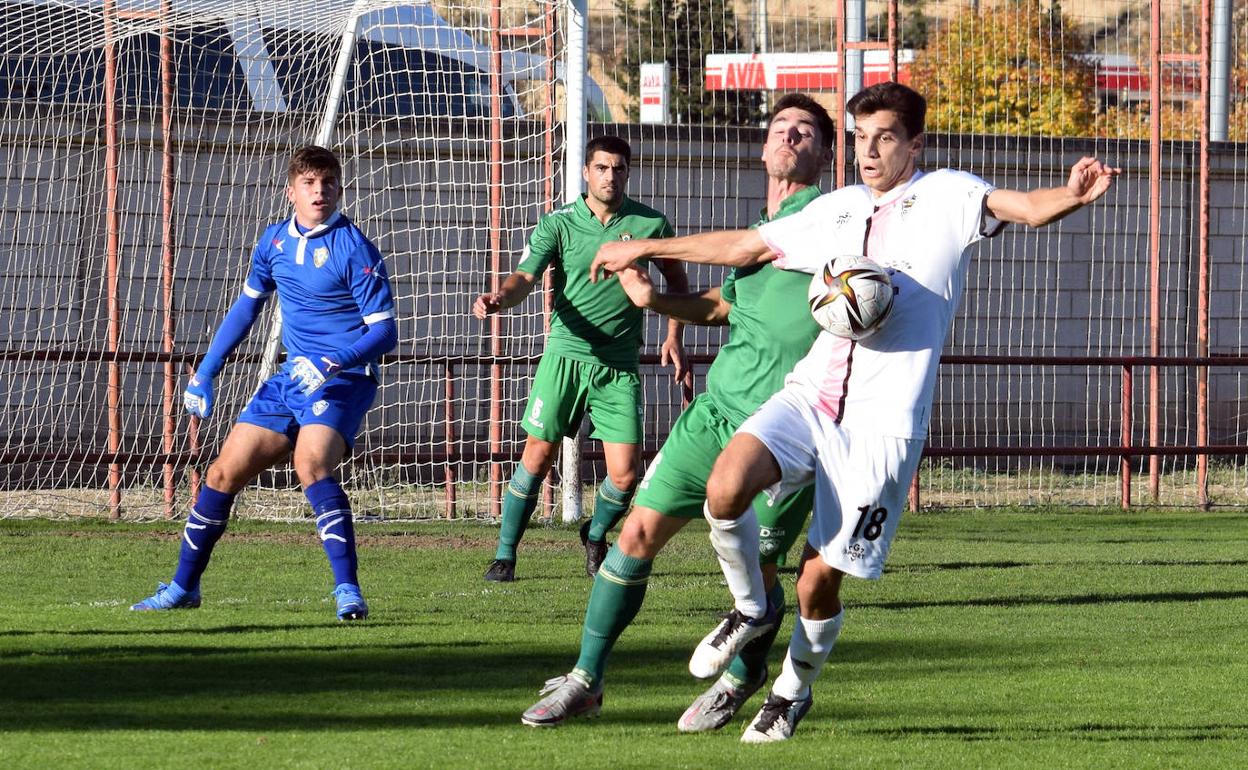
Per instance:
{"type": "Point", "coordinates": [861, 479]}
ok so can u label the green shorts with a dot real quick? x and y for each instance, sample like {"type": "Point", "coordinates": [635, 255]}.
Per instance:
{"type": "Point", "coordinates": [564, 390]}
{"type": "Point", "coordinates": [675, 481]}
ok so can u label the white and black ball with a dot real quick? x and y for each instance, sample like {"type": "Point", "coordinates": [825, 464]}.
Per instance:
{"type": "Point", "coordinates": [851, 296]}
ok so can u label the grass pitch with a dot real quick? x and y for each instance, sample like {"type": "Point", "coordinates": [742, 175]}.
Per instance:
{"type": "Point", "coordinates": [996, 639]}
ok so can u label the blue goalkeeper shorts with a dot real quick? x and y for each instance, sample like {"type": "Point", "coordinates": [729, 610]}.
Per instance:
{"type": "Point", "coordinates": [340, 403]}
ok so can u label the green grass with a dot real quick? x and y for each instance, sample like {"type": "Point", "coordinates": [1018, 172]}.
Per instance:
{"type": "Point", "coordinates": [996, 639]}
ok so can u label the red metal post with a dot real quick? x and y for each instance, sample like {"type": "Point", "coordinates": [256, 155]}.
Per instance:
{"type": "Point", "coordinates": [193, 447]}
{"type": "Point", "coordinates": [450, 441]}
{"type": "Point", "coordinates": [167, 253]}
{"type": "Point", "coordinates": [839, 104]}
{"type": "Point", "coordinates": [1202, 287]}
{"type": "Point", "coordinates": [1124, 464]}
{"type": "Point", "coordinates": [914, 489]}
{"type": "Point", "coordinates": [496, 249]}
{"type": "Point", "coordinates": [112, 236]}
{"type": "Point", "coordinates": [892, 40]}
{"type": "Point", "coordinates": [1154, 249]}
{"type": "Point", "coordinates": [548, 39]}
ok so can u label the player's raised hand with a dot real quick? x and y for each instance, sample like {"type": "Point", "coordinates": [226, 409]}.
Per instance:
{"type": "Point", "coordinates": [487, 304]}
{"type": "Point", "coordinates": [198, 398]}
{"type": "Point", "coordinates": [311, 373]}
{"type": "Point", "coordinates": [614, 256]}
{"type": "Point", "coordinates": [1090, 179]}
{"type": "Point", "coordinates": [637, 285]}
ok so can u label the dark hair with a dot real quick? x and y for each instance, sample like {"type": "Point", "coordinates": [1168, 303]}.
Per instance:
{"type": "Point", "coordinates": [909, 106]}
{"type": "Point", "coordinates": [827, 129]}
{"type": "Point", "coordinates": [610, 144]}
{"type": "Point", "coordinates": [314, 159]}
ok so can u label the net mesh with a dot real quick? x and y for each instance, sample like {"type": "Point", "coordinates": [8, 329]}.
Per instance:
{"type": "Point", "coordinates": [448, 169]}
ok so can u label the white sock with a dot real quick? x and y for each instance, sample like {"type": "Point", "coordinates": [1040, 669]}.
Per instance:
{"type": "Point", "coordinates": [736, 544]}
{"type": "Point", "coordinates": [810, 644]}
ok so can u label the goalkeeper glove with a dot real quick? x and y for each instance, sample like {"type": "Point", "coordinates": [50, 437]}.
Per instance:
{"type": "Point", "coordinates": [311, 373]}
{"type": "Point", "coordinates": [198, 398]}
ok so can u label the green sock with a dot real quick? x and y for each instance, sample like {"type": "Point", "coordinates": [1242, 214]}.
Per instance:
{"type": "Point", "coordinates": [752, 659]}
{"type": "Point", "coordinates": [610, 504]}
{"type": "Point", "coordinates": [519, 502]}
{"type": "Point", "coordinates": [619, 589]}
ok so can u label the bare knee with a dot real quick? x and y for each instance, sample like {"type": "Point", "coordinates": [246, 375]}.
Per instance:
{"type": "Point", "coordinates": [622, 480]}
{"type": "Point", "coordinates": [538, 456]}
{"type": "Point", "coordinates": [309, 472]}
{"type": "Point", "coordinates": [318, 451]}
{"type": "Point", "coordinates": [646, 531]}
{"type": "Point", "coordinates": [727, 495]}
{"type": "Point", "coordinates": [221, 477]}
{"type": "Point", "coordinates": [745, 468]}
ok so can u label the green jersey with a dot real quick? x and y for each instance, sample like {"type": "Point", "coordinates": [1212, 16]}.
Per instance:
{"type": "Point", "coordinates": [592, 322]}
{"type": "Point", "coordinates": [770, 329]}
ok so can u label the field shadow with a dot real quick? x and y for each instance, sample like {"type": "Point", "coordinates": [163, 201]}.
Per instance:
{"type": "Point", "coordinates": [361, 684]}
{"type": "Point", "coordinates": [1082, 732]}
{"type": "Point", "coordinates": [1160, 597]}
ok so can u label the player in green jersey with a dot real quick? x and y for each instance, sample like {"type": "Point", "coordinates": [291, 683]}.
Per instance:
{"type": "Point", "coordinates": [591, 356]}
{"type": "Point", "coordinates": [770, 329]}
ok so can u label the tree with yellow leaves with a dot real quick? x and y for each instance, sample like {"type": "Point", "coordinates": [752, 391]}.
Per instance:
{"type": "Point", "coordinates": [1008, 69]}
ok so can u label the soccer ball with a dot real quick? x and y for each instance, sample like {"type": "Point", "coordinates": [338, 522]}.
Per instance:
{"type": "Point", "coordinates": [851, 296]}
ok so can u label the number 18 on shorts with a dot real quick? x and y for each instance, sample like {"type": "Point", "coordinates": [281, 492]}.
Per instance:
{"type": "Point", "coordinates": [861, 479]}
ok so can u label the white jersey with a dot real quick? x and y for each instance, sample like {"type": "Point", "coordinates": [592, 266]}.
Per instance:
{"type": "Point", "coordinates": [919, 231]}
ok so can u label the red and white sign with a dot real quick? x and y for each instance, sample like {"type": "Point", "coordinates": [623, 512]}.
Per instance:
{"type": "Point", "coordinates": [1118, 77]}
{"type": "Point", "coordinates": [656, 79]}
{"type": "Point", "coordinates": [814, 71]}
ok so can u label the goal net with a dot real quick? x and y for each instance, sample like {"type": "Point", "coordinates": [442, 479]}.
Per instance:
{"type": "Point", "coordinates": [146, 146]}
{"type": "Point", "coordinates": [145, 150]}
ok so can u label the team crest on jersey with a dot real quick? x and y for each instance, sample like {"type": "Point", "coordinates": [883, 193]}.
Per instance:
{"type": "Point", "coordinates": [319, 407]}
{"type": "Point", "coordinates": [320, 256]}
{"type": "Point", "coordinates": [907, 204]}
{"type": "Point", "coordinates": [626, 236]}
{"type": "Point", "coordinates": [842, 218]}
{"type": "Point", "coordinates": [278, 244]}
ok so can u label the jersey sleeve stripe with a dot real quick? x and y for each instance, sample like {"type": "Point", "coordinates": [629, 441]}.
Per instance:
{"type": "Point", "coordinates": [383, 315]}
{"type": "Point", "coordinates": [254, 293]}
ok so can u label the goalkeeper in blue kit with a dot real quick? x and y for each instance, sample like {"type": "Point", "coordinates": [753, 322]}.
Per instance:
{"type": "Point", "coordinates": [337, 312]}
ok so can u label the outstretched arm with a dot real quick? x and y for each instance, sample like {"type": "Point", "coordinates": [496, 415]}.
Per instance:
{"type": "Point", "coordinates": [1089, 180]}
{"type": "Point", "coordinates": [735, 248]}
{"type": "Point", "coordinates": [673, 348]}
{"type": "Point", "coordinates": [512, 292]}
{"type": "Point", "coordinates": [706, 308]}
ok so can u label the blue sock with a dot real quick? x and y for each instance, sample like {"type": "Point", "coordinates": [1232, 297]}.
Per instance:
{"type": "Point", "coordinates": [333, 524]}
{"type": "Point", "coordinates": [204, 526]}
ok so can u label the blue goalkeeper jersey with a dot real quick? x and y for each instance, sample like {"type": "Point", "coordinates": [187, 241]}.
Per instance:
{"type": "Point", "coordinates": [331, 281]}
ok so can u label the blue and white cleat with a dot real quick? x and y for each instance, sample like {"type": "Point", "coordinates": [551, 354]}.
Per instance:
{"type": "Point", "coordinates": [351, 605]}
{"type": "Point", "coordinates": [169, 597]}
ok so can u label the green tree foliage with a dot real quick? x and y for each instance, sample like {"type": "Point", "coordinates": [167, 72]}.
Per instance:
{"type": "Point", "coordinates": [1007, 70]}
{"type": "Point", "coordinates": [681, 33]}
{"type": "Point", "coordinates": [1181, 118]}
